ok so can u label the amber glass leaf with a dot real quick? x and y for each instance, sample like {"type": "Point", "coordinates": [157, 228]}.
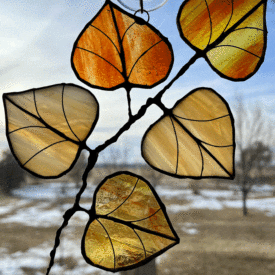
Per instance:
{"type": "Point", "coordinates": [233, 34]}
{"type": "Point", "coordinates": [46, 127]}
{"type": "Point", "coordinates": [128, 225]}
{"type": "Point", "coordinates": [117, 49]}
{"type": "Point", "coordinates": [195, 140]}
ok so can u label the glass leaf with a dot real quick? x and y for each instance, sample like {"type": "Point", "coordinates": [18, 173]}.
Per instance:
{"type": "Point", "coordinates": [195, 140]}
{"type": "Point", "coordinates": [129, 225]}
{"type": "Point", "coordinates": [233, 34]}
{"type": "Point", "coordinates": [45, 127]}
{"type": "Point", "coordinates": [117, 49]}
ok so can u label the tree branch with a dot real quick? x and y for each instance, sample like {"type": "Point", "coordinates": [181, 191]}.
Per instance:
{"type": "Point", "coordinates": [129, 103]}
{"type": "Point", "coordinates": [94, 153]}
{"type": "Point", "coordinates": [76, 207]}
{"type": "Point", "coordinates": [155, 100]}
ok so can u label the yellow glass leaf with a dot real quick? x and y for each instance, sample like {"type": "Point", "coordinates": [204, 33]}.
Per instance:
{"type": "Point", "coordinates": [195, 140]}
{"type": "Point", "coordinates": [46, 127]}
{"type": "Point", "coordinates": [129, 219]}
{"type": "Point", "coordinates": [233, 34]}
{"type": "Point", "coordinates": [117, 49]}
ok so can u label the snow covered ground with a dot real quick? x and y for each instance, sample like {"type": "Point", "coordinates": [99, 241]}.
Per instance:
{"type": "Point", "coordinates": [30, 210]}
{"type": "Point", "coordinates": [39, 214]}
{"type": "Point", "coordinates": [38, 258]}
{"type": "Point", "coordinates": [220, 199]}
{"type": "Point", "coordinates": [52, 191]}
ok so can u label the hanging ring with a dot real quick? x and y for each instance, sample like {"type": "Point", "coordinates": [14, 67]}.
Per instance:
{"type": "Point", "coordinates": [142, 11]}
{"type": "Point", "coordinates": [134, 7]}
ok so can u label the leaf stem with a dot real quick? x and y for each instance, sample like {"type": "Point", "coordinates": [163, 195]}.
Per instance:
{"type": "Point", "coordinates": [141, 6]}
{"type": "Point", "coordinates": [128, 90]}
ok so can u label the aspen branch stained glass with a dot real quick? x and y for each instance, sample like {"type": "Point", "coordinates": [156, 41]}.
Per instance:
{"type": "Point", "coordinates": [48, 127]}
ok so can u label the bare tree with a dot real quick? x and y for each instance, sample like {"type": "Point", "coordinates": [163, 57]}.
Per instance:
{"type": "Point", "coordinates": [75, 175]}
{"type": "Point", "coordinates": [194, 185]}
{"type": "Point", "coordinates": [11, 174]}
{"type": "Point", "coordinates": [153, 176]}
{"type": "Point", "coordinates": [254, 139]}
{"type": "Point", "coordinates": [148, 269]}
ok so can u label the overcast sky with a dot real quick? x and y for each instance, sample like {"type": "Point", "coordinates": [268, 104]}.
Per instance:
{"type": "Point", "coordinates": [36, 39]}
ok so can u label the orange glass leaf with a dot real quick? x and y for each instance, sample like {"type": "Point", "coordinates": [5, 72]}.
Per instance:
{"type": "Point", "coordinates": [195, 140]}
{"type": "Point", "coordinates": [128, 226]}
{"type": "Point", "coordinates": [117, 49]}
{"type": "Point", "coordinates": [232, 33]}
{"type": "Point", "coordinates": [46, 127]}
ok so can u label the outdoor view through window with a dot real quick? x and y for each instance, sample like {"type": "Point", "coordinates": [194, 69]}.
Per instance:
{"type": "Point", "coordinates": [137, 137]}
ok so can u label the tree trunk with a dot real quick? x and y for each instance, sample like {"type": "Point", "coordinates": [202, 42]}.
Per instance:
{"type": "Point", "coordinates": [148, 269]}
{"type": "Point", "coordinates": [245, 212]}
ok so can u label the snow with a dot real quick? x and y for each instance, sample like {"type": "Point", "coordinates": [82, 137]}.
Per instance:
{"type": "Point", "coordinates": [170, 193]}
{"type": "Point", "coordinates": [217, 193]}
{"type": "Point", "coordinates": [265, 205]}
{"type": "Point", "coordinates": [51, 191]}
{"type": "Point", "coordinates": [200, 201]}
{"type": "Point", "coordinates": [263, 188]}
{"type": "Point", "coordinates": [218, 200]}
{"type": "Point", "coordinates": [5, 209]}
{"type": "Point", "coordinates": [42, 215]}
{"type": "Point", "coordinates": [38, 258]}
{"type": "Point", "coordinates": [30, 210]}
{"type": "Point", "coordinates": [35, 217]}
{"type": "Point", "coordinates": [225, 194]}
{"type": "Point", "coordinates": [33, 258]}
{"type": "Point", "coordinates": [190, 228]}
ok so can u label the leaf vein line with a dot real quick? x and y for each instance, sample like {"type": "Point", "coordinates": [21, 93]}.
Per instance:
{"type": "Point", "coordinates": [43, 122]}
{"type": "Point", "coordinates": [142, 56]}
{"type": "Point", "coordinates": [234, 26]}
{"type": "Point", "coordinates": [110, 242]}
{"type": "Point", "coordinates": [202, 161]}
{"type": "Point", "coordinates": [177, 144]}
{"type": "Point", "coordinates": [127, 31]}
{"type": "Point", "coordinates": [199, 142]}
{"type": "Point", "coordinates": [63, 108]}
{"type": "Point", "coordinates": [218, 146]}
{"type": "Point", "coordinates": [122, 54]}
{"type": "Point", "coordinates": [131, 225]}
{"type": "Point", "coordinates": [43, 150]}
{"type": "Point", "coordinates": [232, 10]}
{"type": "Point", "coordinates": [237, 48]}
{"type": "Point", "coordinates": [250, 28]}
{"type": "Point", "coordinates": [198, 120]}
{"type": "Point", "coordinates": [125, 199]}
{"type": "Point", "coordinates": [147, 217]}
{"type": "Point", "coordinates": [35, 104]}
{"type": "Point", "coordinates": [101, 58]}
{"type": "Point", "coordinates": [106, 36]}
{"type": "Point", "coordinates": [140, 242]}
{"type": "Point", "coordinates": [210, 22]}
{"type": "Point", "coordinates": [27, 128]}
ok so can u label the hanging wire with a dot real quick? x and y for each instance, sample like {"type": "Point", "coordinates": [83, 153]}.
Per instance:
{"type": "Point", "coordinates": [141, 6]}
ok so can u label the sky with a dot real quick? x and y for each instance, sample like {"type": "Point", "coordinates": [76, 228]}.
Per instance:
{"type": "Point", "coordinates": [36, 40]}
